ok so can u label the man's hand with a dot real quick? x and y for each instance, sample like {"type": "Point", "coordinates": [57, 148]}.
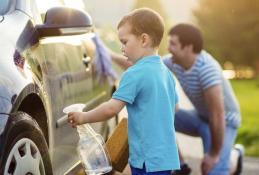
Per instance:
{"type": "Point", "coordinates": [119, 59]}
{"type": "Point", "coordinates": [208, 162]}
{"type": "Point", "coordinates": [75, 118]}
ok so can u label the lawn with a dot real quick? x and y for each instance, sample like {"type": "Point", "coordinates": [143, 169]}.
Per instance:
{"type": "Point", "coordinates": [247, 92]}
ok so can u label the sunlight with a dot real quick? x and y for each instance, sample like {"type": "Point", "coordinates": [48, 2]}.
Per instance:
{"type": "Point", "coordinates": [46, 4]}
{"type": "Point", "coordinates": [229, 74]}
{"type": "Point", "coordinates": [43, 6]}
{"type": "Point", "coordinates": [78, 4]}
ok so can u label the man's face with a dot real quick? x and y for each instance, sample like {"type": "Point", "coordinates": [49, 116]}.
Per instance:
{"type": "Point", "coordinates": [131, 44]}
{"type": "Point", "coordinates": [175, 48]}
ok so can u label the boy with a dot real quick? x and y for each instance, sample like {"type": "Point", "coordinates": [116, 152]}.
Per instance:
{"type": "Point", "coordinates": [148, 90]}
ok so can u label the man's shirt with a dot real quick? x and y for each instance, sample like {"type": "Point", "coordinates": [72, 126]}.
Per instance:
{"type": "Point", "coordinates": [205, 73]}
{"type": "Point", "coordinates": [148, 88]}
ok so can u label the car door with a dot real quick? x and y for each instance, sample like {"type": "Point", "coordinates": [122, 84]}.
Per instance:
{"type": "Point", "coordinates": [66, 69]}
{"type": "Point", "coordinates": [64, 77]}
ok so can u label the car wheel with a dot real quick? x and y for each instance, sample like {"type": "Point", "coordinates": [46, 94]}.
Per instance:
{"type": "Point", "coordinates": [25, 150]}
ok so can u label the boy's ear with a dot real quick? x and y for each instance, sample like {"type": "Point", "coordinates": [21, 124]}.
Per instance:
{"type": "Point", "coordinates": [145, 39]}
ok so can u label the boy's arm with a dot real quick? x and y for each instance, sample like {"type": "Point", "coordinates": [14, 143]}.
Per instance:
{"type": "Point", "coordinates": [103, 112]}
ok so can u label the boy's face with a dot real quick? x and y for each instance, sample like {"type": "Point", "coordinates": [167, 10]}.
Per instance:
{"type": "Point", "coordinates": [131, 44]}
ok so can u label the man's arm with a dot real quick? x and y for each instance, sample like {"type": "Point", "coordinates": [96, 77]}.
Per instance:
{"type": "Point", "coordinates": [177, 107]}
{"type": "Point", "coordinates": [120, 60]}
{"type": "Point", "coordinates": [215, 104]}
{"type": "Point", "coordinates": [103, 112]}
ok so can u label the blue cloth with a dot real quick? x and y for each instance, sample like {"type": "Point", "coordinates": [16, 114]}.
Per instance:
{"type": "Point", "coordinates": [189, 122]}
{"type": "Point", "coordinates": [142, 171]}
{"type": "Point", "coordinates": [103, 62]}
{"type": "Point", "coordinates": [205, 73]}
{"type": "Point", "coordinates": [148, 88]}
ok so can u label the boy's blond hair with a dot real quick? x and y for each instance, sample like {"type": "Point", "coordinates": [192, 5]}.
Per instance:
{"type": "Point", "coordinates": [145, 20]}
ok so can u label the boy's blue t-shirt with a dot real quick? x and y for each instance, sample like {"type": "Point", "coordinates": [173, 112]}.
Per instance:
{"type": "Point", "coordinates": [148, 88]}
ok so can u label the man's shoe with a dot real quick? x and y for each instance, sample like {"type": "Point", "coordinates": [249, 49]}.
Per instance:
{"type": "Point", "coordinates": [185, 170]}
{"type": "Point", "coordinates": [241, 150]}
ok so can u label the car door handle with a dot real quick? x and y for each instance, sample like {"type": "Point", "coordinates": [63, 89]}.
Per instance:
{"type": "Point", "coordinates": [86, 60]}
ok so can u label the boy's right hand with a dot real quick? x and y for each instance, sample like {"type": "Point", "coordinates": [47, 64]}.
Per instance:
{"type": "Point", "coordinates": [75, 118]}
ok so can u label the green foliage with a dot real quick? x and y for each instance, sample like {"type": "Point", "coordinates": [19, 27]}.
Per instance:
{"type": "Point", "coordinates": [231, 30]}
{"type": "Point", "coordinates": [247, 92]}
{"type": "Point", "coordinates": [157, 6]}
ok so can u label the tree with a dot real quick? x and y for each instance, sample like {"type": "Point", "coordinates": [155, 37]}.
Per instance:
{"type": "Point", "coordinates": [157, 6]}
{"type": "Point", "coordinates": [231, 30]}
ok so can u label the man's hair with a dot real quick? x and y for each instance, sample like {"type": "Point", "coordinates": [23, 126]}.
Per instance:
{"type": "Point", "coordinates": [188, 35]}
{"type": "Point", "coordinates": [145, 20]}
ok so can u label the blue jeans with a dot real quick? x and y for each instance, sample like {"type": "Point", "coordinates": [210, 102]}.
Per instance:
{"type": "Point", "coordinates": [137, 171]}
{"type": "Point", "coordinates": [188, 122]}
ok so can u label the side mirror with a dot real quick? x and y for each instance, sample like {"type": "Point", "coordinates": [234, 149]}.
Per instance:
{"type": "Point", "coordinates": [60, 21]}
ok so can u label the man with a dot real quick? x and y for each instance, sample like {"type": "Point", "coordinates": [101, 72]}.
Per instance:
{"type": "Point", "coordinates": [216, 114]}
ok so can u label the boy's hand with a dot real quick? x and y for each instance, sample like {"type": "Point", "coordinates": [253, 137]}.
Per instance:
{"type": "Point", "coordinates": [75, 118]}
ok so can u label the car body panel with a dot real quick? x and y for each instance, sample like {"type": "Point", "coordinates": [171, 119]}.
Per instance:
{"type": "Point", "coordinates": [12, 77]}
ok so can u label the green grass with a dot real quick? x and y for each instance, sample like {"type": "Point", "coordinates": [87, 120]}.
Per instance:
{"type": "Point", "coordinates": [247, 92]}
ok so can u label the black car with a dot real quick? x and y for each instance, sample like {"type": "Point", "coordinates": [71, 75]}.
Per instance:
{"type": "Point", "coordinates": [47, 62]}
